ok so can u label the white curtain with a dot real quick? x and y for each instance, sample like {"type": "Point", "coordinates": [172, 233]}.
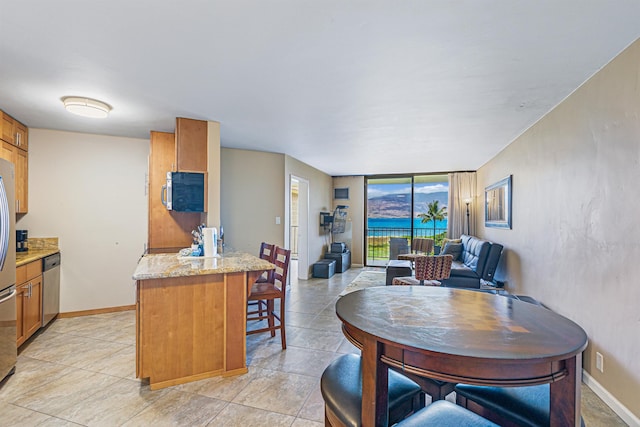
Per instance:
{"type": "Point", "coordinates": [462, 186]}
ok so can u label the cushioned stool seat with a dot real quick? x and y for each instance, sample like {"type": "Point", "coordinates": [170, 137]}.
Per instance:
{"type": "Point", "coordinates": [341, 387]}
{"type": "Point", "coordinates": [445, 414]}
{"type": "Point", "coordinates": [397, 268]}
{"type": "Point", "coordinates": [522, 406]}
{"type": "Point", "coordinates": [325, 268]}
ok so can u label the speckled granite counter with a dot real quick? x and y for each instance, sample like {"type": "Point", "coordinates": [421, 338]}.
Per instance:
{"type": "Point", "coordinates": [191, 316]}
{"type": "Point", "coordinates": [38, 249]}
{"type": "Point", "coordinates": [159, 266]}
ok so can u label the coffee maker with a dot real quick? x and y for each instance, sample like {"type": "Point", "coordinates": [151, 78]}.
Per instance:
{"type": "Point", "coordinates": [22, 240]}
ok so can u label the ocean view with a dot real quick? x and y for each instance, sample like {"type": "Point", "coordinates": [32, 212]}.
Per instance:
{"type": "Point", "coordinates": [403, 223]}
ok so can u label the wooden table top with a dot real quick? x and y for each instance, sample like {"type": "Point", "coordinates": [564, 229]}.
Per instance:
{"type": "Point", "coordinates": [461, 322]}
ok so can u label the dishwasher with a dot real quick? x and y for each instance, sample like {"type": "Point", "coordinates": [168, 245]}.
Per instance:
{"type": "Point", "coordinates": [50, 287]}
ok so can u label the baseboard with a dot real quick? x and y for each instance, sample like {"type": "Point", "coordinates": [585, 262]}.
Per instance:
{"type": "Point", "coordinates": [611, 401]}
{"type": "Point", "coordinates": [96, 311]}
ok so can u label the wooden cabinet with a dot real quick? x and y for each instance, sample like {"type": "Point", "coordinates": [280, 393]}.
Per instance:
{"type": "Point", "coordinates": [7, 127]}
{"type": "Point", "coordinates": [22, 135]}
{"type": "Point", "coordinates": [191, 145]}
{"type": "Point", "coordinates": [20, 161]}
{"type": "Point", "coordinates": [15, 142]}
{"type": "Point", "coordinates": [191, 328]}
{"type": "Point", "coordinates": [14, 132]}
{"type": "Point", "coordinates": [22, 181]}
{"type": "Point", "coordinates": [169, 231]}
{"type": "Point", "coordinates": [28, 300]}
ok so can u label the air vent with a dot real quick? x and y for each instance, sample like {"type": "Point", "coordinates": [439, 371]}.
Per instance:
{"type": "Point", "coordinates": [341, 193]}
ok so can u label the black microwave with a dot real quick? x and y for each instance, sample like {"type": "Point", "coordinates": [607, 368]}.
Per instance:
{"type": "Point", "coordinates": [184, 192]}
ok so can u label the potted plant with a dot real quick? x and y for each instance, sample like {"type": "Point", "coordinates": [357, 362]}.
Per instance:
{"type": "Point", "coordinates": [434, 213]}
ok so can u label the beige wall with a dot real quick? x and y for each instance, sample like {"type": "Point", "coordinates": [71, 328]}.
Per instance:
{"type": "Point", "coordinates": [355, 215]}
{"type": "Point", "coordinates": [320, 187]}
{"type": "Point", "coordinates": [252, 195]}
{"type": "Point", "coordinates": [89, 191]}
{"type": "Point", "coordinates": [574, 242]}
{"type": "Point", "coordinates": [213, 174]}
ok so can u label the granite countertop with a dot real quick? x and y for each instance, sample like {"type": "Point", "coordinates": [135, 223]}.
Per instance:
{"type": "Point", "coordinates": [31, 255]}
{"type": "Point", "coordinates": [39, 247]}
{"type": "Point", "coordinates": [158, 266]}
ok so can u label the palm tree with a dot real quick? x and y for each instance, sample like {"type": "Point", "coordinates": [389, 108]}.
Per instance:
{"type": "Point", "coordinates": [434, 213]}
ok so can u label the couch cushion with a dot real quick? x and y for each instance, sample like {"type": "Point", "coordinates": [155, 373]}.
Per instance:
{"type": "Point", "coordinates": [492, 261]}
{"type": "Point", "coordinates": [453, 249]}
{"type": "Point", "coordinates": [445, 241]}
{"type": "Point", "coordinates": [461, 270]}
{"type": "Point", "coordinates": [474, 253]}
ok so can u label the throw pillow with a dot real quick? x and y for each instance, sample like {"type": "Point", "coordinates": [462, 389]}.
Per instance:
{"type": "Point", "coordinates": [445, 241]}
{"type": "Point", "coordinates": [453, 249]}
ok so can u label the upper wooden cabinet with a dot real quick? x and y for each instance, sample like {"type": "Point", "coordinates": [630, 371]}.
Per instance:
{"type": "Point", "coordinates": [22, 135]}
{"type": "Point", "coordinates": [20, 162]}
{"type": "Point", "coordinates": [168, 230]}
{"type": "Point", "coordinates": [22, 181]}
{"type": "Point", "coordinates": [14, 132]}
{"type": "Point", "coordinates": [191, 145]}
{"type": "Point", "coordinates": [14, 145]}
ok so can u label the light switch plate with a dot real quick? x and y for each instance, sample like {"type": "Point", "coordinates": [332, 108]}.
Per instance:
{"type": "Point", "coordinates": [277, 220]}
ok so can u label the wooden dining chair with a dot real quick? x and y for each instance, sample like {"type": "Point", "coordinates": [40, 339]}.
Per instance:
{"type": "Point", "coordinates": [265, 293]}
{"type": "Point", "coordinates": [267, 253]}
{"type": "Point", "coordinates": [420, 245]}
{"type": "Point", "coordinates": [429, 270]}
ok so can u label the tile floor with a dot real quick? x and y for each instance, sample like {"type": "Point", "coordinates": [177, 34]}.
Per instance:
{"type": "Point", "coordinates": [81, 371]}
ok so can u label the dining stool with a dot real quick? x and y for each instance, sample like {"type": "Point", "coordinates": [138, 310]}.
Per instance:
{"type": "Point", "coordinates": [341, 387]}
{"type": "Point", "coordinates": [508, 406]}
{"type": "Point", "coordinates": [267, 253]}
{"type": "Point", "coordinates": [265, 293]}
{"type": "Point", "coordinates": [445, 414]}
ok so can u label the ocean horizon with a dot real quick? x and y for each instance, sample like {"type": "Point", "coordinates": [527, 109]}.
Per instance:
{"type": "Point", "coordinates": [398, 224]}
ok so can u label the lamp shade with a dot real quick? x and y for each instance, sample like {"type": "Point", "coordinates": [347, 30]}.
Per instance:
{"type": "Point", "coordinates": [86, 107]}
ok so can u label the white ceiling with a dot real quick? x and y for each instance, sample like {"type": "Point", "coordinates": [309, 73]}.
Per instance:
{"type": "Point", "coordinates": [349, 87]}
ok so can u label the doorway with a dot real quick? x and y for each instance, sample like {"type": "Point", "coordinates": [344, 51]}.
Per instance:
{"type": "Point", "coordinates": [299, 224]}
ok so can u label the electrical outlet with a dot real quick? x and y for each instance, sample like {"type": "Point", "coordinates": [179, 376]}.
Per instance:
{"type": "Point", "coordinates": [599, 362]}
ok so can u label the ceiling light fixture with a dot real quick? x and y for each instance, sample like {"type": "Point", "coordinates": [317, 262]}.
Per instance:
{"type": "Point", "coordinates": [86, 107]}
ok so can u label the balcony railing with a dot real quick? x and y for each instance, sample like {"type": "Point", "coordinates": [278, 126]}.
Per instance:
{"type": "Point", "coordinates": [378, 240]}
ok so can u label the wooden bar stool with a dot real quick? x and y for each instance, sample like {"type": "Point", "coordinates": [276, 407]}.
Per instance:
{"type": "Point", "coordinates": [265, 293]}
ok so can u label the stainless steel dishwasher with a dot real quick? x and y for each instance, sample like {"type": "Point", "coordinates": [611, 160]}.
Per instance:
{"type": "Point", "coordinates": [50, 287]}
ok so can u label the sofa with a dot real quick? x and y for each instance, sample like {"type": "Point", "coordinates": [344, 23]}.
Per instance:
{"type": "Point", "coordinates": [478, 259]}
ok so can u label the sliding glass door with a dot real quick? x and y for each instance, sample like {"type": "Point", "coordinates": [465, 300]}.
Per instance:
{"type": "Point", "coordinates": [400, 208]}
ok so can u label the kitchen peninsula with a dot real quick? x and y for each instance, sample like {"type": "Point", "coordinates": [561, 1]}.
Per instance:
{"type": "Point", "coordinates": [191, 316]}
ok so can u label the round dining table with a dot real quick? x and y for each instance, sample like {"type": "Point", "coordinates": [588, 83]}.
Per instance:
{"type": "Point", "coordinates": [462, 336]}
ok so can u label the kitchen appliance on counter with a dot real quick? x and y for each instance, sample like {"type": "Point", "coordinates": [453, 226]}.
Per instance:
{"type": "Point", "coordinates": [22, 237]}
{"type": "Point", "coordinates": [50, 288]}
{"type": "Point", "coordinates": [8, 309]}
